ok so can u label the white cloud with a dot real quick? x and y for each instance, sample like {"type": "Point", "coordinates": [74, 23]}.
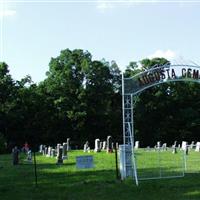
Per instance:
{"type": "Point", "coordinates": [7, 13]}
{"type": "Point", "coordinates": [104, 6]}
{"type": "Point", "coordinates": [168, 54]}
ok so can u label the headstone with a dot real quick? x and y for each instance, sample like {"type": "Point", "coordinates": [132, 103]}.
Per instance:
{"type": "Point", "coordinates": [40, 148]}
{"type": "Point", "coordinates": [84, 162]}
{"type": "Point", "coordinates": [15, 154]}
{"type": "Point", "coordinates": [45, 151]}
{"type": "Point", "coordinates": [64, 151]}
{"type": "Point", "coordinates": [175, 143]}
{"type": "Point", "coordinates": [158, 145]}
{"type": "Point", "coordinates": [59, 154]}
{"type": "Point", "coordinates": [117, 145]}
{"type": "Point", "coordinates": [137, 145]}
{"type": "Point", "coordinates": [184, 145]}
{"type": "Point", "coordinates": [29, 156]}
{"type": "Point", "coordinates": [86, 146]}
{"type": "Point", "coordinates": [97, 145]}
{"type": "Point", "coordinates": [109, 144]}
{"type": "Point", "coordinates": [197, 149]}
{"type": "Point", "coordinates": [48, 152]}
{"type": "Point", "coordinates": [104, 145]}
{"type": "Point", "coordinates": [68, 144]}
{"type": "Point", "coordinates": [112, 145]}
{"type": "Point", "coordinates": [164, 147]}
{"type": "Point", "coordinates": [88, 149]}
{"type": "Point", "coordinates": [174, 150]}
{"type": "Point", "coordinates": [53, 153]}
{"type": "Point", "coordinates": [192, 145]}
{"type": "Point", "coordinates": [101, 145]}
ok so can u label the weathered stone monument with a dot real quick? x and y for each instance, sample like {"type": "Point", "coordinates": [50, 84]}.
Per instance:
{"type": "Point", "coordinates": [68, 144]}
{"type": "Point", "coordinates": [137, 144]}
{"type": "Point", "coordinates": [192, 145]}
{"type": "Point", "coordinates": [59, 154]}
{"type": "Point", "coordinates": [45, 150]}
{"type": "Point", "coordinates": [174, 149]}
{"type": "Point", "coordinates": [29, 156]}
{"type": "Point", "coordinates": [86, 147]}
{"type": "Point", "coordinates": [48, 152]}
{"type": "Point", "coordinates": [15, 154]}
{"type": "Point", "coordinates": [104, 145]}
{"type": "Point", "coordinates": [164, 147]}
{"type": "Point", "coordinates": [40, 148]}
{"type": "Point", "coordinates": [197, 149]}
{"type": "Point", "coordinates": [64, 151]}
{"type": "Point", "coordinates": [117, 145]}
{"type": "Point", "coordinates": [101, 145]}
{"type": "Point", "coordinates": [97, 145]}
{"type": "Point", "coordinates": [184, 147]}
{"type": "Point", "coordinates": [109, 144]}
{"type": "Point", "coordinates": [175, 143]}
{"type": "Point", "coordinates": [53, 153]}
{"type": "Point", "coordinates": [158, 145]}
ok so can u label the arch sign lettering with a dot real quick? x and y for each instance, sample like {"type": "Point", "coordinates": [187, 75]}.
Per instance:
{"type": "Point", "coordinates": [138, 83]}
{"type": "Point", "coordinates": [158, 75]}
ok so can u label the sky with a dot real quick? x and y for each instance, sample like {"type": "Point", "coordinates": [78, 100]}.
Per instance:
{"type": "Point", "coordinates": [31, 32]}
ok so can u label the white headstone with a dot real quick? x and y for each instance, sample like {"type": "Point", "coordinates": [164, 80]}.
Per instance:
{"type": "Point", "coordinates": [86, 147]}
{"type": "Point", "coordinates": [184, 145]}
{"type": "Point", "coordinates": [109, 144]}
{"type": "Point", "coordinates": [137, 144]}
{"type": "Point", "coordinates": [97, 145]}
{"type": "Point", "coordinates": [53, 153]}
{"type": "Point", "coordinates": [197, 147]}
{"type": "Point", "coordinates": [68, 144]}
{"type": "Point", "coordinates": [104, 145]}
{"type": "Point", "coordinates": [64, 151]}
{"type": "Point", "coordinates": [40, 148]}
{"type": "Point", "coordinates": [174, 150]}
{"type": "Point", "coordinates": [158, 144]}
{"type": "Point", "coordinates": [164, 147]}
{"type": "Point", "coordinates": [49, 152]}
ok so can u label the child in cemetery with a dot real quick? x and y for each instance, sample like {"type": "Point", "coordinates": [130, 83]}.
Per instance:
{"type": "Point", "coordinates": [15, 154]}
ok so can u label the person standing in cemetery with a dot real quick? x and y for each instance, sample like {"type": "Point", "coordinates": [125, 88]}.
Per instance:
{"type": "Point", "coordinates": [15, 155]}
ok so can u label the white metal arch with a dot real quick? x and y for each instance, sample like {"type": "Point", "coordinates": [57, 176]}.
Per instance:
{"type": "Point", "coordinates": [140, 82]}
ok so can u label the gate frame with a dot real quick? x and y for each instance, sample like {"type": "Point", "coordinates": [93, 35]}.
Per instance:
{"type": "Point", "coordinates": [151, 77]}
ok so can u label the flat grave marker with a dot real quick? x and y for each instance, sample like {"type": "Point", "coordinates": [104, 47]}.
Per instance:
{"type": "Point", "coordinates": [84, 162]}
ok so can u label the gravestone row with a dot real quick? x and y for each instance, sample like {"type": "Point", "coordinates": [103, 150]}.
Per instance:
{"type": "Point", "coordinates": [107, 145]}
{"type": "Point", "coordinates": [59, 152]}
{"type": "Point", "coordinates": [184, 146]}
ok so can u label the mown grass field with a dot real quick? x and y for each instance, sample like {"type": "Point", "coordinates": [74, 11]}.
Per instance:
{"type": "Point", "coordinates": [100, 183]}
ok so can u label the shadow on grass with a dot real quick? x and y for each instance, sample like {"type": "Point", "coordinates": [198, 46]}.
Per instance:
{"type": "Point", "coordinates": [67, 182]}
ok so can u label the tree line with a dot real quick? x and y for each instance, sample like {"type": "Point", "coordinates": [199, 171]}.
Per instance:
{"type": "Point", "coordinates": [80, 98]}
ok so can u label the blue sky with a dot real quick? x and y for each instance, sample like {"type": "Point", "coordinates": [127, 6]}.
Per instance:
{"type": "Point", "coordinates": [32, 33]}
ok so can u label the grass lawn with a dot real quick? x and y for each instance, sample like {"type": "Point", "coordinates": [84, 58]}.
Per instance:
{"type": "Point", "coordinates": [66, 182]}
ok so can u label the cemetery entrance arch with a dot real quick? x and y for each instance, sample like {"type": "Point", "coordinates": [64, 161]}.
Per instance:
{"type": "Point", "coordinates": [135, 85]}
